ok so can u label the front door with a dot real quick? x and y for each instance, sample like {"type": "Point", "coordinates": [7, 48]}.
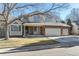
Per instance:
{"type": "Point", "coordinates": [36, 30]}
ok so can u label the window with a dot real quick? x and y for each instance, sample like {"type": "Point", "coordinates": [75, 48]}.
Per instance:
{"type": "Point", "coordinates": [48, 19]}
{"type": "Point", "coordinates": [19, 28]}
{"type": "Point", "coordinates": [34, 19]}
{"type": "Point", "coordinates": [15, 27]}
{"type": "Point", "coordinates": [31, 19]}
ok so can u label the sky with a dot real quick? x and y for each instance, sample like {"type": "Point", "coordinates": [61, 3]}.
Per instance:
{"type": "Point", "coordinates": [64, 13]}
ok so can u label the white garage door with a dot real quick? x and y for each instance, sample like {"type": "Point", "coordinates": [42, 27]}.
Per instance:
{"type": "Point", "coordinates": [52, 31]}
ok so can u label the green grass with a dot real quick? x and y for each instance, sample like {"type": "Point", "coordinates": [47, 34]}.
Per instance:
{"type": "Point", "coordinates": [17, 42]}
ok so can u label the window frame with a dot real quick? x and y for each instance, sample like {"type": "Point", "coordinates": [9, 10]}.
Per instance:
{"type": "Point", "coordinates": [18, 27]}
{"type": "Point", "coordinates": [35, 19]}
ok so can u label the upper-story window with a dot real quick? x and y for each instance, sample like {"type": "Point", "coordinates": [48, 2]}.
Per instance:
{"type": "Point", "coordinates": [51, 19]}
{"type": "Point", "coordinates": [35, 19]}
{"type": "Point", "coordinates": [48, 19]}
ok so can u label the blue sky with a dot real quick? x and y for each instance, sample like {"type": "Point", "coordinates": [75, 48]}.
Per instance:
{"type": "Point", "coordinates": [64, 13]}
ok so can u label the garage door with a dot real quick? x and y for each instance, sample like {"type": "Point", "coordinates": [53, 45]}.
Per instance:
{"type": "Point", "coordinates": [52, 31]}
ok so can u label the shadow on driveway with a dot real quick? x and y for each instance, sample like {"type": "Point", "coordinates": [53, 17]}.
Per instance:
{"type": "Point", "coordinates": [73, 41]}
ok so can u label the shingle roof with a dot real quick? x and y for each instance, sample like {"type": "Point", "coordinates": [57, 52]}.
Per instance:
{"type": "Point", "coordinates": [47, 24]}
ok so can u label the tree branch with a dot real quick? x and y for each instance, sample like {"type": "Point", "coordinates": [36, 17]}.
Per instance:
{"type": "Point", "coordinates": [24, 6]}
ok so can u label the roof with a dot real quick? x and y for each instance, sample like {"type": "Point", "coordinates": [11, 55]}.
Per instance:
{"type": "Point", "coordinates": [46, 24]}
{"type": "Point", "coordinates": [14, 20]}
{"type": "Point", "coordinates": [33, 13]}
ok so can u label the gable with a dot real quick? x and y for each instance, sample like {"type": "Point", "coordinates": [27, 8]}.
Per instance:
{"type": "Point", "coordinates": [17, 22]}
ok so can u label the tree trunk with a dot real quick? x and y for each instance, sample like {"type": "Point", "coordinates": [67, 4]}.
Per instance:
{"type": "Point", "coordinates": [6, 31]}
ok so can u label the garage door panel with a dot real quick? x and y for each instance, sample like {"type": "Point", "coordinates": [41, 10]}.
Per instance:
{"type": "Point", "coordinates": [52, 31]}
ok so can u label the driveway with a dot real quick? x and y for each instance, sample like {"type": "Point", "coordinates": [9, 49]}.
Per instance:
{"type": "Point", "coordinates": [61, 39]}
{"type": "Point", "coordinates": [68, 46]}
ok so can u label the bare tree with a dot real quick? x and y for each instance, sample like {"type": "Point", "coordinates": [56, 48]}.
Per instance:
{"type": "Point", "coordinates": [8, 8]}
{"type": "Point", "coordinates": [70, 24]}
{"type": "Point", "coordinates": [74, 15]}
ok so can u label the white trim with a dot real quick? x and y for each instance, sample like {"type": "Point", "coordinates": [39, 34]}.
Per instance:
{"type": "Point", "coordinates": [15, 25]}
{"type": "Point", "coordinates": [24, 32]}
{"type": "Point", "coordinates": [15, 32]}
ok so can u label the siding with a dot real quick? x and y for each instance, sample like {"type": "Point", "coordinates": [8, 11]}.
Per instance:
{"type": "Point", "coordinates": [65, 31]}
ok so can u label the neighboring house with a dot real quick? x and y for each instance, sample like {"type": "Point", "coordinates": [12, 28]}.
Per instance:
{"type": "Point", "coordinates": [75, 27]}
{"type": "Point", "coordinates": [36, 25]}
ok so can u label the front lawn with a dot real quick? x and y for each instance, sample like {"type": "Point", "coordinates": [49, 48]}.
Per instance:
{"type": "Point", "coordinates": [17, 42]}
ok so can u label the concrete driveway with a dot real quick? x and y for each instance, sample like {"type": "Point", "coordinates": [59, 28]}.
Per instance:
{"type": "Point", "coordinates": [61, 39]}
{"type": "Point", "coordinates": [68, 46]}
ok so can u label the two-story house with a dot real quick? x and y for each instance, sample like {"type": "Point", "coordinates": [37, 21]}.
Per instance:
{"type": "Point", "coordinates": [38, 25]}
